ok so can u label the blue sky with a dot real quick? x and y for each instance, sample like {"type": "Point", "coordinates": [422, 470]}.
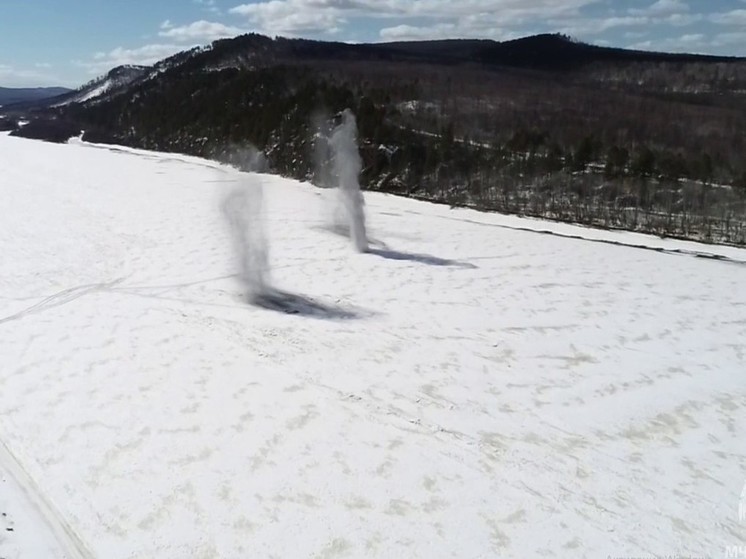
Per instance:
{"type": "Point", "coordinates": [69, 42]}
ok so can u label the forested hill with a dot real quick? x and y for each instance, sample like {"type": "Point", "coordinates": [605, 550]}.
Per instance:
{"type": "Point", "coordinates": [546, 52]}
{"type": "Point", "coordinates": [543, 126]}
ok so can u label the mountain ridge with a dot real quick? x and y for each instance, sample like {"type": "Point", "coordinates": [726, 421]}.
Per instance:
{"type": "Point", "coordinates": [543, 52]}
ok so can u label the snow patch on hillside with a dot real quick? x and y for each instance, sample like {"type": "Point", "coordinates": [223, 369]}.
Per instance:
{"type": "Point", "coordinates": [95, 92]}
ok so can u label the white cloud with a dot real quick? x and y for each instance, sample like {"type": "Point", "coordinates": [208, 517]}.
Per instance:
{"type": "Point", "coordinates": [692, 39]}
{"type": "Point", "coordinates": [435, 19]}
{"type": "Point", "coordinates": [662, 8]}
{"type": "Point", "coordinates": [699, 43]}
{"type": "Point", "coordinates": [10, 76]}
{"type": "Point", "coordinates": [682, 20]}
{"type": "Point", "coordinates": [663, 12]}
{"type": "Point", "coordinates": [412, 33]}
{"type": "Point", "coordinates": [592, 26]}
{"type": "Point", "coordinates": [446, 31]}
{"type": "Point", "coordinates": [619, 21]}
{"type": "Point", "coordinates": [180, 38]}
{"type": "Point", "coordinates": [146, 55]}
{"type": "Point", "coordinates": [441, 17]}
{"type": "Point", "coordinates": [736, 38]}
{"type": "Point", "coordinates": [199, 31]}
{"type": "Point", "coordinates": [691, 42]}
{"type": "Point", "coordinates": [293, 16]}
{"type": "Point", "coordinates": [734, 17]}
{"type": "Point", "coordinates": [209, 6]}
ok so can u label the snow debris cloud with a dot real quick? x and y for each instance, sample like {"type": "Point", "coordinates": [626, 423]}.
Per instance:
{"type": "Point", "coordinates": [347, 165]}
{"type": "Point", "coordinates": [320, 124]}
{"type": "Point", "coordinates": [244, 157]}
{"type": "Point", "coordinates": [243, 208]}
{"type": "Point", "coordinates": [244, 211]}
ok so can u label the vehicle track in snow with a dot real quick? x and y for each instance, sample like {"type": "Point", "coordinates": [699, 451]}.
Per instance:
{"type": "Point", "coordinates": [28, 514]}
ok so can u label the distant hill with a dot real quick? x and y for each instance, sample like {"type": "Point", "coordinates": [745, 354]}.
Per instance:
{"type": "Point", "coordinates": [547, 52]}
{"type": "Point", "coordinates": [10, 95]}
{"type": "Point", "coordinates": [114, 81]}
{"type": "Point", "coordinates": [552, 52]}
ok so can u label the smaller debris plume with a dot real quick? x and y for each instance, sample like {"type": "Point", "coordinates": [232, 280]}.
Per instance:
{"type": "Point", "coordinates": [347, 165]}
{"type": "Point", "coordinates": [243, 208]}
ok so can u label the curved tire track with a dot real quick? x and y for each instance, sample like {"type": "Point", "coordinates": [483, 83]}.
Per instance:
{"type": "Point", "coordinates": [65, 535]}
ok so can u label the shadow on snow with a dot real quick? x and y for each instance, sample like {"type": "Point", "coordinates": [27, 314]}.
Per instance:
{"type": "Point", "coordinates": [379, 248]}
{"type": "Point", "coordinates": [389, 254]}
{"type": "Point", "coordinates": [292, 303]}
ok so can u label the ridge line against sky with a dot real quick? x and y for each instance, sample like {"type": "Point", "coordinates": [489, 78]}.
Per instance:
{"type": "Point", "coordinates": [69, 42]}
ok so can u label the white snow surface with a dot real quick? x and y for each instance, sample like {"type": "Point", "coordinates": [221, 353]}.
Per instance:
{"type": "Point", "coordinates": [468, 389]}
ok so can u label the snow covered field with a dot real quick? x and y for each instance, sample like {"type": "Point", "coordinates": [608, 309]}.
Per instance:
{"type": "Point", "coordinates": [468, 389]}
